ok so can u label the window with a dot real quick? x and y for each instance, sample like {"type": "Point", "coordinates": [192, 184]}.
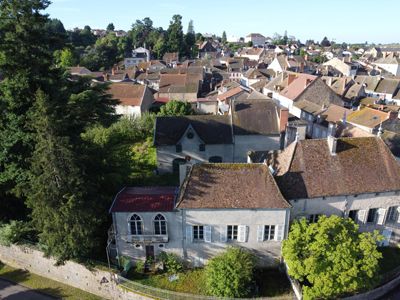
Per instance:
{"type": "Point", "coordinates": [198, 233]}
{"type": "Point", "coordinates": [269, 232]}
{"type": "Point", "coordinates": [190, 135]}
{"type": "Point", "coordinates": [393, 214]}
{"type": "Point", "coordinates": [353, 215]}
{"type": "Point", "coordinates": [160, 225]}
{"type": "Point", "coordinates": [372, 215]}
{"type": "Point", "coordinates": [215, 159]}
{"type": "Point", "coordinates": [232, 232]}
{"type": "Point", "coordinates": [176, 163]}
{"type": "Point", "coordinates": [202, 147]}
{"type": "Point", "coordinates": [178, 148]}
{"type": "Point", "coordinates": [136, 225]}
{"type": "Point", "coordinates": [313, 218]}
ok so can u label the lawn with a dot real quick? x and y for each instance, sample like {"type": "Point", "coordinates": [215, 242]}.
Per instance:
{"type": "Point", "coordinates": [44, 285]}
{"type": "Point", "coordinates": [270, 282]}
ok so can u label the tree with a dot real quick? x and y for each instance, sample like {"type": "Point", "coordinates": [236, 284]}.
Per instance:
{"type": "Point", "coordinates": [175, 35]}
{"type": "Point", "coordinates": [224, 39]}
{"type": "Point", "coordinates": [176, 108]}
{"type": "Point", "coordinates": [230, 273]}
{"type": "Point", "coordinates": [331, 257]}
{"type": "Point", "coordinates": [325, 42]}
{"type": "Point", "coordinates": [110, 27]}
{"type": "Point", "coordinates": [190, 40]}
{"type": "Point", "coordinates": [25, 61]}
{"type": "Point", "coordinates": [65, 58]}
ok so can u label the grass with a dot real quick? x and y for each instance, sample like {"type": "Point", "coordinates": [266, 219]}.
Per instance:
{"type": "Point", "coordinates": [271, 282]}
{"type": "Point", "coordinates": [43, 284]}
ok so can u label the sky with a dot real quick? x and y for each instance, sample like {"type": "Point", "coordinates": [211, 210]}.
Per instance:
{"type": "Point", "coordinates": [353, 21]}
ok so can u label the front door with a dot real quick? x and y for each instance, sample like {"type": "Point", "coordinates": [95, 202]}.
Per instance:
{"type": "Point", "coordinates": [149, 252]}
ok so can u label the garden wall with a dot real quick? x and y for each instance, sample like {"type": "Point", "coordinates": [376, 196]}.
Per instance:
{"type": "Point", "coordinates": [98, 282]}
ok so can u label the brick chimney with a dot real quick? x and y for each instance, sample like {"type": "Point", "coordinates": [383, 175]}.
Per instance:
{"type": "Point", "coordinates": [283, 119]}
{"type": "Point", "coordinates": [291, 78]}
{"type": "Point", "coordinates": [393, 115]}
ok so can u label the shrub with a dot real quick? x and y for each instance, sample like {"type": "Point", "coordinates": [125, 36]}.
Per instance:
{"type": "Point", "coordinates": [230, 274]}
{"type": "Point", "coordinates": [172, 263]}
{"type": "Point", "coordinates": [139, 266]}
{"type": "Point", "coordinates": [13, 232]}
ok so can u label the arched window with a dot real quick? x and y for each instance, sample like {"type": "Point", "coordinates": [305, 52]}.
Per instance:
{"type": "Point", "coordinates": [160, 225]}
{"type": "Point", "coordinates": [136, 225]}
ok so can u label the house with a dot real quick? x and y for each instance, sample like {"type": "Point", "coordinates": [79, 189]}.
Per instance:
{"type": "Point", "coordinates": [387, 89]}
{"type": "Point", "coordinates": [344, 68]}
{"type": "Point", "coordinates": [252, 76]}
{"type": "Point", "coordinates": [182, 86]}
{"type": "Point", "coordinates": [207, 50]}
{"type": "Point", "coordinates": [390, 64]}
{"type": "Point", "coordinates": [334, 177]}
{"type": "Point", "coordinates": [171, 58]}
{"type": "Point", "coordinates": [138, 55]}
{"type": "Point", "coordinates": [256, 39]}
{"type": "Point", "coordinates": [79, 71]}
{"type": "Point", "coordinates": [368, 119]}
{"type": "Point", "coordinates": [252, 53]}
{"type": "Point", "coordinates": [253, 125]}
{"type": "Point", "coordinates": [327, 121]}
{"type": "Point", "coordinates": [219, 205]}
{"type": "Point", "coordinates": [134, 99]}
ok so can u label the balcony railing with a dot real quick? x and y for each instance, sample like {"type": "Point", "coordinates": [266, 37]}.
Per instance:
{"type": "Point", "coordinates": [148, 238]}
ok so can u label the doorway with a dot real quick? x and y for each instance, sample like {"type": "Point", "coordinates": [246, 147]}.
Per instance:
{"type": "Point", "coordinates": [150, 252]}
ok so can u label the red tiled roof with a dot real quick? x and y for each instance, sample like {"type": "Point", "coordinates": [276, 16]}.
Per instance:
{"type": "Point", "coordinates": [140, 199]}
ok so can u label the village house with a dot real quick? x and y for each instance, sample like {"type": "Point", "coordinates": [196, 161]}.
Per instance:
{"type": "Point", "coordinates": [207, 50]}
{"type": "Point", "coordinates": [345, 68]}
{"type": "Point", "coordinates": [256, 39]}
{"type": "Point", "coordinates": [252, 125]}
{"type": "Point", "coordinates": [138, 55]}
{"type": "Point", "coordinates": [219, 205]}
{"type": "Point", "coordinates": [334, 177]}
{"type": "Point", "coordinates": [252, 53]}
{"type": "Point", "coordinates": [390, 64]}
{"type": "Point", "coordinates": [134, 99]}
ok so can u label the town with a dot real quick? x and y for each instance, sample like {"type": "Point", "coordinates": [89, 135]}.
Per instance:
{"type": "Point", "coordinates": [157, 163]}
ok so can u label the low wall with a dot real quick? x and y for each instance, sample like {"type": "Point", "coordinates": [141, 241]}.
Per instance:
{"type": "Point", "coordinates": [98, 282]}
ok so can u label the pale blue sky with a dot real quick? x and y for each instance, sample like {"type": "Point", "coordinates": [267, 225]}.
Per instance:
{"type": "Point", "coordinates": [343, 20]}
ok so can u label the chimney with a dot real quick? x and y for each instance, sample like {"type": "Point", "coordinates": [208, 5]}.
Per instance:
{"type": "Point", "coordinates": [393, 115]}
{"type": "Point", "coordinates": [283, 119]}
{"type": "Point", "coordinates": [332, 143]}
{"type": "Point", "coordinates": [291, 78]}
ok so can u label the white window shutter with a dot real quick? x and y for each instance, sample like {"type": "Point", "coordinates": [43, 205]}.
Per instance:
{"type": "Point", "coordinates": [242, 233]}
{"type": "Point", "coordinates": [381, 216]}
{"type": "Point", "coordinates": [223, 235]}
{"type": "Point", "coordinates": [207, 234]}
{"type": "Point", "coordinates": [189, 234]}
{"type": "Point", "coordinates": [361, 215]}
{"type": "Point", "coordinates": [260, 233]}
{"type": "Point", "coordinates": [398, 214]}
{"type": "Point", "coordinates": [279, 232]}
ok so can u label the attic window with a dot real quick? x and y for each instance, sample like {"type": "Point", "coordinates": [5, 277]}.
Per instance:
{"type": "Point", "coordinates": [178, 148]}
{"type": "Point", "coordinates": [202, 147]}
{"type": "Point", "coordinates": [190, 135]}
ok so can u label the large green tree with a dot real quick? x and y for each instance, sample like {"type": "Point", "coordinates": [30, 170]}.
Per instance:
{"type": "Point", "coordinates": [175, 41]}
{"type": "Point", "coordinates": [25, 64]}
{"type": "Point", "coordinates": [176, 108]}
{"type": "Point", "coordinates": [331, 257]}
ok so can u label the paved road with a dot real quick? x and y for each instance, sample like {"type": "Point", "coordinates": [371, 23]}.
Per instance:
{"type": "Point", "coordinates": [11, 291]}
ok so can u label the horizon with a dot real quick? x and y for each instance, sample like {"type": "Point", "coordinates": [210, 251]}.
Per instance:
{"type": "Point", "coordinates": [71, 12]}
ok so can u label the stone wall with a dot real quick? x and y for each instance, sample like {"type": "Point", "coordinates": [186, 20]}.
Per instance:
{"type": "Point", "coordinates": [98, 282]}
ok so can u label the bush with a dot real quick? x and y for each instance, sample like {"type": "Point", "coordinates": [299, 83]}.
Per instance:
{"type": "Point", "coordinates": [14, 232]}
{"type": "Point", "coordinates": [139, 266]}
{"type": "Point", "coordinates": [230, 274]}
{"type": "Point", "coordinates": [172, 263]}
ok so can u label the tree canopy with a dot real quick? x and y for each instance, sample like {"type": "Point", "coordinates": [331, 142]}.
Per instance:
{"type": "Point", "coordinates": [176, 108]}
{"type": "Point", "coordinates": [331, 258]}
